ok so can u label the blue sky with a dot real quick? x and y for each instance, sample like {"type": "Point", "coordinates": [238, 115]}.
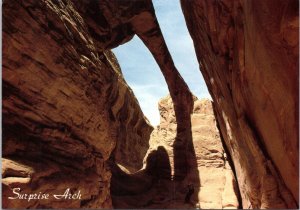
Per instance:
{"type": "Point", "coordinates": [143, 74]}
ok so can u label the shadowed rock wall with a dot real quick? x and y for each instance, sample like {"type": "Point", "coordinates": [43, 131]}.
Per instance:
{"type": "Point", "coordinates": [66, 107]}
{"type": "Point", "coordinates": [209, 182]}
{"type": "Point", "coordinates": [248, 55]}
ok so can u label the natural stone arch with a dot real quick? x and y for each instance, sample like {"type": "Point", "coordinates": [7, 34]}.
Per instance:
{"type": "Point", "coordinates": [112, 23]}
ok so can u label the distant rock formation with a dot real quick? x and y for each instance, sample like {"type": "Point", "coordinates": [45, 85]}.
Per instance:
{"type": "Point", "coordinates": [208, 172]}
{"type": "Point", "coordinates": [248, 55]}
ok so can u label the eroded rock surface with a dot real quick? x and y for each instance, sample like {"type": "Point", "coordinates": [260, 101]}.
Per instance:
{"type": "Point", "coordinates": [66, 107]}
{"type": "Point", "coordinates": [207, 170]}
{"type": "Point", "coordinates": [65, 95]}
{"type": "Point", "coordinates": [248, 55]}
{"type": "Point", "coordinates": [115, 22]}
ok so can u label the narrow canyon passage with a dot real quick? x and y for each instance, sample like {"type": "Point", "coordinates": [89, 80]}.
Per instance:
{"type": "Point", "coordinates": [72, 124]}
{"type": "Point", "coordinates": [209, 182]}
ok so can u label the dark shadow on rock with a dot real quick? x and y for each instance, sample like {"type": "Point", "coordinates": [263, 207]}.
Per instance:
{"type": "Point", "coordinates": [157, 168]}
{"type": "Point", "coordinates": [158, 164]}
{"type": "Point", "coordinates": [186, 173]}
{"type": "Point", "coordinates": [153, 186]}
{"type": "Point", "coordinates": [123, 183]}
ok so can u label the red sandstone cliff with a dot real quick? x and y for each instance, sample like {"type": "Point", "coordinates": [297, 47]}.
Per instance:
{"type": "Point", "coordinates": [68, 113]}
{"type": "Point", "coordinates": [208, 170]}
{"type": "Point", "coordinates": [66, 107]}
{"type": "Point", "coordinates": [248, 55]}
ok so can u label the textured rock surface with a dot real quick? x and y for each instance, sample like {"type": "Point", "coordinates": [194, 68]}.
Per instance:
{"type": "Point", "coordinates": [109, 24]}
{"type": "Point", "coordinates": [248, 55]}
{"type": "Point", "coordinates": [207, 167]}
{"type": "Point", "coordinates": [65, 108]}
{"type": "Point", "coordinates": [115, 22]}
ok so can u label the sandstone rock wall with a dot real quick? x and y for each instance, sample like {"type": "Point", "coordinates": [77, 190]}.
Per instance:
{"type": "Point", "coordinates": [208, 171]}
{"type": "Point", "coordinates": [248, 55]}
{"type": "Point", "coordinates": [66, 107]}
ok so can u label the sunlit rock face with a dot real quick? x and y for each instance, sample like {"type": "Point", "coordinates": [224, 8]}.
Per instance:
{"type": "Point", "coordinates": [66, 109]}
{"type": "Point", "coordinates": [159, 185]}
{"type": "Point", "coordinates": [248, 55]}
{"type": "Point", "coordinates": [207, 165]}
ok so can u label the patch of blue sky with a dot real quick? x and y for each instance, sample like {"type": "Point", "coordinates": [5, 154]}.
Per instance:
{"type": "Point", "coordinates": [143, 74]}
